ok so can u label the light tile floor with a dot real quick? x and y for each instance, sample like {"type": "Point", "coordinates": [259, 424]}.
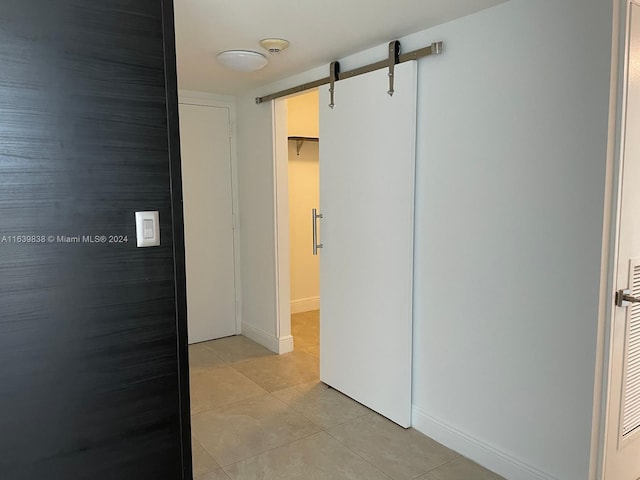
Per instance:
{"type": "Point", "coordinates": [259, 416]}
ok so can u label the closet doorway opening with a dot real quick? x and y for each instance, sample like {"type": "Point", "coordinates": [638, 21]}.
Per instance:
{"type": "Point", "coordinates": [301, 115]}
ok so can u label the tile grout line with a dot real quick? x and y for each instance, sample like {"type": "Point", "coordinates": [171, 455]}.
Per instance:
{"type": "Point", "coordinates": [268, 353]}
{"type": "Point", "coordinates": [252, 397]}
{"type": "Point", "coordinates": [329, 388]}
{"type": "Point", "coordinates": [347, 421]}
{"type": "Point", "coordinates": [262, 451]}
{"type": "Point", "coordinates": [271, 392]}
{"type": "Point", "coordinates": [210, 455]}
{"type": "Point", "coordinates": [303, 438]}
{"type": "Point", "coordinates": [357, 454]}
{"type": "Point", "coordinates": [270, 449]}
{"type": "Point", "coordinates": [441, 465]}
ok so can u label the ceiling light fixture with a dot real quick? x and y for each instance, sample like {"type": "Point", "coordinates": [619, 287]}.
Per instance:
{"type": "Point", "coordinates": [242, 60]}
{"type": "Point", "coordinates": [274, 45]}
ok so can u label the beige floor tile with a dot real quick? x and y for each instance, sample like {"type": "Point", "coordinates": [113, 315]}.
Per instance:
{"type": "Point", "coordinates": [305, 328]}
{"type": "Point", "coordinates": [322, 405]}
{"type": "Point", "coordinates": [313, 351]}
{"type": "Point", "coordinates": [311, 316]}
{"type": "Point", "coordinates": [217, 386]}
{"type": "Point", "coordinates": [202, 357]}
{"type": "Point", "coordinates": [304, 341]}
{"type": "Point", "coordinates": [247, 428]}
{"type": "Point", "coordinates": [281, 371]}
{"type": "Point", "coordinates": [217, 474]}
{"type": "Point", "coordinates": [317, 457]}
{"type": "Point", "coordinates": [238, 349]}
{"type": "Point", "coordinates": [401, 454]}
{"type": "Point", "coordinates": [461, 468]}
{"type": "Point", "coordinates": [203, 463]}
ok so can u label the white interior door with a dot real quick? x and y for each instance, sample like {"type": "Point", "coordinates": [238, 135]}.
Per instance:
{"type": "Point", "coordinates": [622, 452]}
{"type": "Point", "coordinates": [208, 221]}
{"type": "Point", "coordinates": [367, 165]}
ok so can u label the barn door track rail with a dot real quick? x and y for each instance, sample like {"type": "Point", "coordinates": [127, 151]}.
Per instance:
{"type": "Point", "coordinates": [395, 57]}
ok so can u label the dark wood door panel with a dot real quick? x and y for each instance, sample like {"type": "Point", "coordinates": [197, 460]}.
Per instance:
{"type": "Point", "coordinates": [89, 365]}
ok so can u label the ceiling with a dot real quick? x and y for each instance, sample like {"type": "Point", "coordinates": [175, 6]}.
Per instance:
{"type": "Point", "coordinates": [319, 32]}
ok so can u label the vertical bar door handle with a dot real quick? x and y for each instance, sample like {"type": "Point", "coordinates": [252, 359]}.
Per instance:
{"type": "Point", "coordinates": [314, 219]}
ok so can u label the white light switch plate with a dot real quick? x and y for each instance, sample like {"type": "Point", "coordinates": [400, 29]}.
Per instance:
{"type": "Point", "coordinates": [147, 229]}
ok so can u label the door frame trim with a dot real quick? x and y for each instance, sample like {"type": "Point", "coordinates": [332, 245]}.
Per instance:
{"type": "Point", "coordinates": [610, 235]}
{"type": "Point", "coordinates": [204, 99]}
{"type": "Point", "coordinates": [180, 279]}
{"type": "Point", "coordinates": [281, 225]}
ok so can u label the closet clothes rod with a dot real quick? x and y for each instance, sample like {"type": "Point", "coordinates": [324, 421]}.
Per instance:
{"type": "Point", "coordinates": [434, 49]}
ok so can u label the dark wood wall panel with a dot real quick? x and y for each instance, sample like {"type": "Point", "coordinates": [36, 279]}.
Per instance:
{"type": "Point", "coordinates": [89, 364]}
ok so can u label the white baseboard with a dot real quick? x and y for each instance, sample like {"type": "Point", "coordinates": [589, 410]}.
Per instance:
{"type": "Point", "coordinates": [305, 305]}
{"type": "Point", "coordinates": [273, 343]}
{"type": "Point", "coordinates": [486, 455]}
{"type": "Point", "coordinates": [285, 344]}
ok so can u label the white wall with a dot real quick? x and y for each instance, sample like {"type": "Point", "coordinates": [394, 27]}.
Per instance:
{"type": "Point", "coordinates": [512, 138]}
{"type": "Point", "coordinates": [511, 177]}
{"type": "Point", "coordinates": [303, 116]}
{"type": "Point", "coordinates": [257, 231]}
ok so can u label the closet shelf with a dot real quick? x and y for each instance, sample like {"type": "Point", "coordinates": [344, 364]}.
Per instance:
{"type": "Point", "coordinates": [300, 141]}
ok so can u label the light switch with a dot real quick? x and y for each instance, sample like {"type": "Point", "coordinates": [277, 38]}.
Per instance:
{"type": "Point", "coordinates": [147, 229]}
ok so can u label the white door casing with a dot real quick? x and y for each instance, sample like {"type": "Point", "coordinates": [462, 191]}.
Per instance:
{"type": "Point", "coordinates": [367, 170]}
{"type": "Point", "coordinates": [622, 436]}
{"type": "Point", "coordinates": [208, 221]}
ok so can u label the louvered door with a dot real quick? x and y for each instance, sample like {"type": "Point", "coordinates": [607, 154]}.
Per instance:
{"type": "Point", "coordinates": [622, 442]}
{"type": "Point", "coordinates": [631, 384]}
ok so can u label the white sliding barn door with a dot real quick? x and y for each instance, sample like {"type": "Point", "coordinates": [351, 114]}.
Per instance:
{"type": "Point", "coordinates": [367, 165]}
{"type": "Point", "coordinates": [208, 221]}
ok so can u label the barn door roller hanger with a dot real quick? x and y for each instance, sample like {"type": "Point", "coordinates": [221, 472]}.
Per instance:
{"type": "Point", "coordinates": [394, 57]}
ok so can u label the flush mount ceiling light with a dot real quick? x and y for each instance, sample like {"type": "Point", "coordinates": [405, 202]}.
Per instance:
{"type": "Point", "coordinates": [242, 60]}
{"type": "Point", "coordinates": [274, 45]}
